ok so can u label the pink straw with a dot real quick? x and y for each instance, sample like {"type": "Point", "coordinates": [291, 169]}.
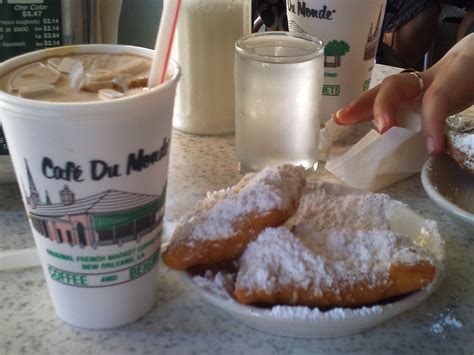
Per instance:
{"type": "Point", "coordinates": [164, 42]}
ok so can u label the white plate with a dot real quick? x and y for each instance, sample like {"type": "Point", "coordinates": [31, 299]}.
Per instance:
{"type": "Point", "coordinates": [452, 189]}
{"type": "Point", "coordinates": [339, 322]}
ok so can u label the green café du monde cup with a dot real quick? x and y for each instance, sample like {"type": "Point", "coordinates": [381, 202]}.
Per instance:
{"type": "Point", "coordinates": [350, 31]}
{"type": "Point", "coordinates": [92, 173]}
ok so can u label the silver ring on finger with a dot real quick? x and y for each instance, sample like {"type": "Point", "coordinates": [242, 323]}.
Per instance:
{"type": "Point", "coordinates": [417, 75]}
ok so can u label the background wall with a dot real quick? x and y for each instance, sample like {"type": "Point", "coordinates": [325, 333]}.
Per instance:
{"type": "Point", "coordinates": [139, 21]}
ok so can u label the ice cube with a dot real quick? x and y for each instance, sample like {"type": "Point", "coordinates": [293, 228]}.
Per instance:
{"type": "Point", "coordinates": [95, 86]}
{"type": "Point", "coordinates": [132, 67]}
{"type": "Point", "coordinates": [139, 82]}
{"type": "Point", "coordinates": [99, 74]}
{"type": "Point", "coordinates": [110, 94]}
{"type": "Point", "coordinates": [67, 64]}
{"type": "Point", "coordinates": [97, 79]}
{"type": "Point", "coordinates": [100, 62]}
{"type": "Point", "coordinates": [86, 62]}
{"type": "Point", "coordinates": [36, 73]}
{"type": "Point", "coordinates": [121, 82]}
{"type": "Point", "coordinates": [36, 90]}
{"type": "Point", "coordinates": [76, 76]}
{"type": "Point", "coordinates": [54, 63]}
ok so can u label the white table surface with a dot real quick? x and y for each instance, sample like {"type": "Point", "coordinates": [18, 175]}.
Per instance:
{"type": "Point", "coordinates": [181, 323]}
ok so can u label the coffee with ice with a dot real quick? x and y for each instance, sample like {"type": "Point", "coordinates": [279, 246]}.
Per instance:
{"type": "Point", "coordinates": [79, 77]}
{"type": "Point", "coordinates": [90, 147]}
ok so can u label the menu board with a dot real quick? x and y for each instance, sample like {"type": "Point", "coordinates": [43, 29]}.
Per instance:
{"type": "Point", "coordinates": [28, 25]}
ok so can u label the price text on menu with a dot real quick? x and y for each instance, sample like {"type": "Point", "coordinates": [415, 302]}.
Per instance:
{"type": "Point", "coordinates": [26, 26]}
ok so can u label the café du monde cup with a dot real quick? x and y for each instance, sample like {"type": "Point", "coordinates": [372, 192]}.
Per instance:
{"type": "Point", "coordinates": [350, 31]}
{"type": "Point", "coordinates": [93, 179]}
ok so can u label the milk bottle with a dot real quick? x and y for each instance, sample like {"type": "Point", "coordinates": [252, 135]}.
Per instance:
{"type": "Point", "coordinates": [204, 47]}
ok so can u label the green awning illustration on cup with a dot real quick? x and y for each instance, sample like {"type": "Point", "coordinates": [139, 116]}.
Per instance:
{"type": "Point", "coordinates": [106, 218]}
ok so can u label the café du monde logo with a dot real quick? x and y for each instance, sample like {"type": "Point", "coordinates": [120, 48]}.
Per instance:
{"type": "Point", "coordinates": [335, 49]}
{"type": "Point", "coordinates": [106, 218]}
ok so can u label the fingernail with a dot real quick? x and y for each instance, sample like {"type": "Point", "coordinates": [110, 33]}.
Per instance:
{"type": "Point", "coordinates": [336, 119]}
{"type": "Point", "coordinates": [382, 123]}
{"type": "Point", "coordinates": [379, 122]}
{"type": "Point", "coordinates": [338, 113]}
{"type": "Point", "coordinates": [430, 144]}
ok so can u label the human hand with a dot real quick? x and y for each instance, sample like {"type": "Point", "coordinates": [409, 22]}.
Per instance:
{"type": "Point", "coordinates": [449, 88]}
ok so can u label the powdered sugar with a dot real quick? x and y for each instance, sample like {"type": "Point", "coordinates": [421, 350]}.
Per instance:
{"type": "Point", "coordinates": [276, 258]}
{"type": "Point", "coordinates": [322, 260]}
{"type": "Point", "coordinates": [445, 322]}
{"type": "Point", "coordinates": [338, 240]}
{"type": "Point", "coordinates": [325, 209]}
{"type": "Point", "coordinates": [305, 313]}
{"type": "Point", "coordinates": [216, 216]}
{"type": "Point", "coordinates": [221, 283]}
{"type": "Point", "coordinates": [452, 322]}
{"type": "Point", "coordinates": [430, 239]}
{"type": "Point", "coordinates": [351, 240]}
{"type": "Point", "coordinates": [464, 142]}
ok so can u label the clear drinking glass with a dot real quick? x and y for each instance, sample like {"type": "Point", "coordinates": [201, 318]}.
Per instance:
{"type": "Point", "coordinates": [278, 81]}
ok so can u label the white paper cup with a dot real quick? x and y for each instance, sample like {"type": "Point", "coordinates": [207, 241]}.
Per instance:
{"type": "Point", "coordinates": [93, 179]}
{"type": "Point", "coordinates": [351, 31]}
